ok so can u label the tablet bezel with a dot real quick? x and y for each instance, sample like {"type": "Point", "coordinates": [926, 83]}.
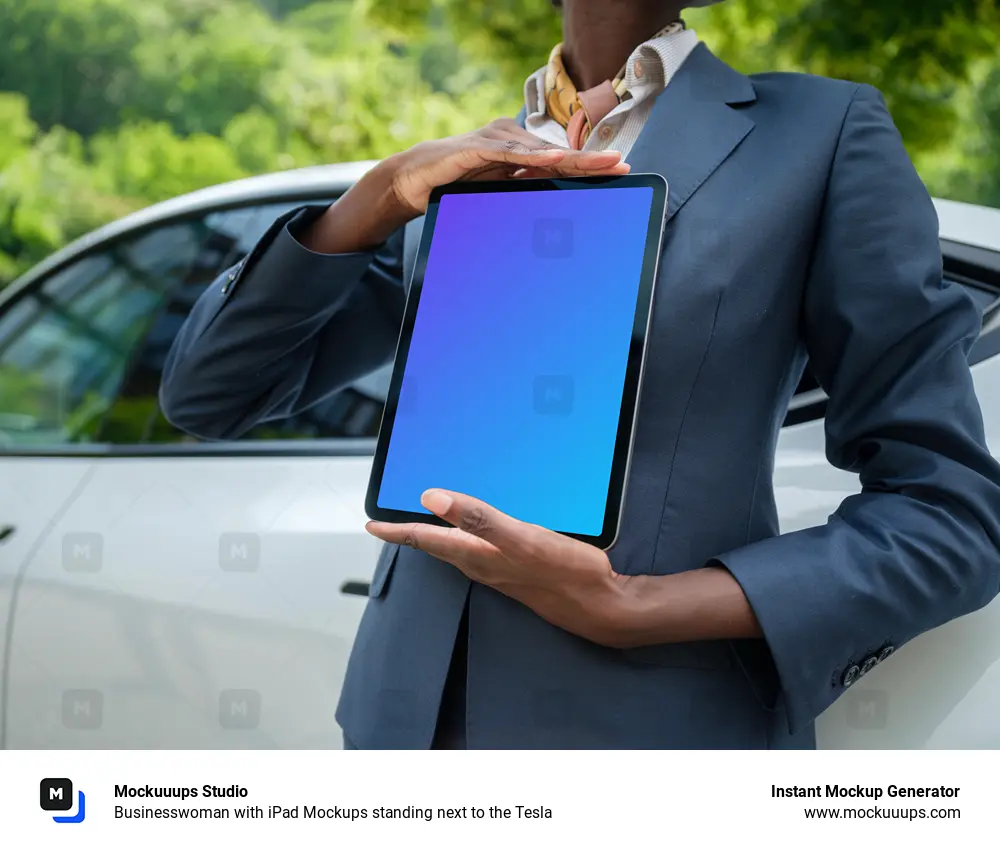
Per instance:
{"type": "Point", "coordinates": [628, 413]}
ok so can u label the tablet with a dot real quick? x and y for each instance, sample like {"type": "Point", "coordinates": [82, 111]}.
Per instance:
{"type": "Point", "coordinates": [519, 363]}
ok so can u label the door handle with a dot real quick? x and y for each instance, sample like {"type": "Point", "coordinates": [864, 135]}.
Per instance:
{"type": "Point", "coordinates": [355, 588]}
{"type": "Point", "coordinates": [6, 531]}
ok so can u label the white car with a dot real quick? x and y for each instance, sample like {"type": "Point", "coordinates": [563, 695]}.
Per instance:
{"type": "Point", "coordinates": [157, 592]}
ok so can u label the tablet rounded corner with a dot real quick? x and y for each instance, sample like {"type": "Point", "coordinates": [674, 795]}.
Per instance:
{"type": "Point", "coordinates": [372, 510]}
{"type": "Point", "coordinates": [607, 538]}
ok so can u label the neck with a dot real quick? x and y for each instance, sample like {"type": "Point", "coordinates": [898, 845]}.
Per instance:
{"type": "Point", "coordinates": [598, 37]}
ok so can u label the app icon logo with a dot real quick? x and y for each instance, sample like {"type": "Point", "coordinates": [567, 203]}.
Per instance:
{"type": "Point", "coordinates": [56, 795]}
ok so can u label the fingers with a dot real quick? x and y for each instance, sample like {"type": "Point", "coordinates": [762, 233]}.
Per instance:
{"type": "Point", "coordinates": [575, 162]}
{"type": "Point", "coordinates": [508, 128]}
{"type": "Point", "coordinates": [493, 171]}
{"type": "Point", "coordinates": [478, 527]}
{"type": "Point", "coordinates": [504, 148]}
{"type": "Point", "coordinates": [469, 553]}
{"type": "Point", "coordinates": [621, 168]}
{"type": "Point", "coordinates": [582, 162]}
{"type": "Point", "coordinates": [476, 518]}
{"type": "Point", "coordinates": [521, 154]}
{"type": "Point", "coordinates": [510, 151]}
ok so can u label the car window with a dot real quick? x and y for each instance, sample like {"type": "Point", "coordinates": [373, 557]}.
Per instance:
{"type": "Point", "coordinates": [135, 417]}
{"type": "Point", "coordinates": [81, 355]}
{"type": "Point", "coordinates": [65, 346]}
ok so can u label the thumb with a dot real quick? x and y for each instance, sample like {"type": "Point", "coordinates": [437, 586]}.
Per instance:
{"type": "Point", "coordinates": [475, 517]}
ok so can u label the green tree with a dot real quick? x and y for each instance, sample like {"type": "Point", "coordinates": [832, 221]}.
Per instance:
{"type": "Point", "coordinates": [198, 76]}
{"type": "Point", "coordinates": [133, 104]}
{"type": "Point", "coordinates": [49, 194]}
{"type": "Point", "coordinates": [148, 161]}
{"type": "Point", "coordinates": [73, 59]}
{"type": "Point", "coordinates": [969, 169]}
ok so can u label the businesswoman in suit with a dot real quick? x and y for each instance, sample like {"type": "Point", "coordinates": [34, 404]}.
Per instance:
{"type": "Point", "coordinates": [797, 229]}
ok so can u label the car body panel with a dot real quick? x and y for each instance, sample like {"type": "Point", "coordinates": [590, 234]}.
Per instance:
{"type": "Point", "coordinates": [34, 495]}
{"type": "Point", "coordinates": [969, 224]}
{"type": "Point", "coordinates": [190, 602]}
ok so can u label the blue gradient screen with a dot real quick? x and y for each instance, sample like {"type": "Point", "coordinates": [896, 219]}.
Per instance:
{"type": "Point", "coordinates": [513, 382]}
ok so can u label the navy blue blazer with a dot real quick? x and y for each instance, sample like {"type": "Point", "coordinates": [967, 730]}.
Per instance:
{"type": "Point", "coordinates": [797, 228]}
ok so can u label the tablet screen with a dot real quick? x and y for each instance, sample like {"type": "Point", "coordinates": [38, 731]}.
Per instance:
{"type": "Point", "coordinates": [514, 375]}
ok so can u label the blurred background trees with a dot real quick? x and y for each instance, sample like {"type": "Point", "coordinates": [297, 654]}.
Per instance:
{"type": "Point", "coordinates": [109, 105]}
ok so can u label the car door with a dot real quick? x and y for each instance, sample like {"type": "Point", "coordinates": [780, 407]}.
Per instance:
{"type": "Point", "coordinates": [184, 595]}
{"type": "Point", "coordinates": [36, 353]}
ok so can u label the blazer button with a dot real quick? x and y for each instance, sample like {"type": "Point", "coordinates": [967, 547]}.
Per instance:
{"type": "Point", "coordinates": [885, 653]}
{"type": "Point", "coordinates": [851, 676]}
{"type": "Point", "coordinates": [868, 665]}
{"type": "Point", "coordinates": [230, 280]}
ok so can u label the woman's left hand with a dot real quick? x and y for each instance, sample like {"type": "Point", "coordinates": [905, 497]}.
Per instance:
{"type": "Point", "coordinates": [566, 582]}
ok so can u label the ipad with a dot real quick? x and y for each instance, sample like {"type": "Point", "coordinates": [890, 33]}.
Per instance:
{"type": "Point", "coordinates": [519, 364]}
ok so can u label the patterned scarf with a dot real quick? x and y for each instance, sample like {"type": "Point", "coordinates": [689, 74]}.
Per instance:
{"type": "Point", "coordinates": [580, 111]}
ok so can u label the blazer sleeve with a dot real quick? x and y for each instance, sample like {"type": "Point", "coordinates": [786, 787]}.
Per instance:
{"type": "Point", "coordinates": [889, 342]}
{"type": "Point", "coordinates": [282, 330]}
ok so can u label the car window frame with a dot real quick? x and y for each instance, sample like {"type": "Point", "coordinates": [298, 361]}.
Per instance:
{"type": "Point", "coordinates": [326, 447]}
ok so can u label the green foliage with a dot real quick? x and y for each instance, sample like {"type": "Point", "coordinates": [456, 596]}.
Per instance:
{"type": "Point", "coordinates": [48, 192]}
{"type": "Point", "coordinates": [969, 169]}
{"type": "Point", "coordinates": [42, 415]}
{"type": "Point", "coordinates": [516, 34]}
{"type": "Point", "coordinates": [18, 128]}
{"type": "Point", "coordinates": [109, 105]}
{"type": "Point", "coordinates": [73, 59]}
{"type": "Point", "coordinates": [149, 161]}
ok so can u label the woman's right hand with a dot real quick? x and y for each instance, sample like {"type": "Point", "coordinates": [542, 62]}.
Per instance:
{"type": "Point", "coordinates": [398, 189]}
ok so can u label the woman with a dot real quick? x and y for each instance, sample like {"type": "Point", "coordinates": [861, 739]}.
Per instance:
{"type": "Point", "coordinates": [797, 228]}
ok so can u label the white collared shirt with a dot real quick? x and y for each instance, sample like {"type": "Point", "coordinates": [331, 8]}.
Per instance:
{"type": "Point", "coordinates": [648, 71]}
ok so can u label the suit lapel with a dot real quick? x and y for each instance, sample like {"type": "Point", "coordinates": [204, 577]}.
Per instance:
{"type": "Point", "coordinates": [692, 128]}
